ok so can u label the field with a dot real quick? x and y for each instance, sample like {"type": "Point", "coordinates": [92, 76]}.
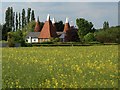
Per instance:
{"type": "Point", "coordinates": [60, 67]}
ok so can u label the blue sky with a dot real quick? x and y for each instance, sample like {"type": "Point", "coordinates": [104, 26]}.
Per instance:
{"type": "Point", "coordinates": [96, 12]}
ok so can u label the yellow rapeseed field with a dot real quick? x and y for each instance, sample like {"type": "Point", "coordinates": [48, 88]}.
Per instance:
{"type": "Point", "coordinates": [60, 67]}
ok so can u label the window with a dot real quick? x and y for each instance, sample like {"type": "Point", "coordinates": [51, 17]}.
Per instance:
{"type": "Point", "coordinates": [26, 40]}
{"type": "Point", "coordinates": [34, 40]}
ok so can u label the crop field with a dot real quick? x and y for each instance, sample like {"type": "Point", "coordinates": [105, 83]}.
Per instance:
{"type": "Point", "coordinates": [60, 67]}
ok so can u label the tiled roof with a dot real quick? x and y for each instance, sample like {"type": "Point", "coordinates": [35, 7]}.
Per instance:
{"type": "Point", "coordinates": [33, 34]}
{"type": "Point", "coordinates": [37, 27]}
{"type": "Point", "coordinates": [48, 30]}
{"type": "Point", "coordinates": [66, 27]}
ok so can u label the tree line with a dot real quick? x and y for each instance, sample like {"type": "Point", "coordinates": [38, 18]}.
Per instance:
{"type": "Point", "coordinates": [16, 21]}
{"type": "Point", "coordinates": [19, 24]}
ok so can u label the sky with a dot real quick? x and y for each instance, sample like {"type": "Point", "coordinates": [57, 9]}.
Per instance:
{"type": "Point", "coordinates": [95, 12]}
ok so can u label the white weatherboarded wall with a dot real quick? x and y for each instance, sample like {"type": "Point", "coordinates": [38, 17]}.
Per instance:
{"type": "Point", "coordinates": [32, 40]}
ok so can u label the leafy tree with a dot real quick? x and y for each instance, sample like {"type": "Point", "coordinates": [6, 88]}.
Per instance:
{"type": "Point", "coordinates": [13, 21]}
{"type": "Point", "coordinates": [84, 27]}
{"type": "Point", "coordinates": [89, 37]}
{"type": "Point", "coordinates": [23, 18]}
{"type": "Point", "coordinates": [1, 31]}
{"type": "Point", "coordinates": [9, 18]}
{"type": "Point", "coordinates": [19, 38]}
{"type": "Point", "coordinates": [5, 30]}
{"type": "Point", "coordinates": [28, 15]}
{"type": "Point", "coordinates": [105, 25]}
{"type": "Point", "coordinates": [16, 21]}
{"type": "Point", "coordinates": [59, 26]}
{"type": "Point", "coordinates": [32, 16]}
{"type": "Point", "coordinates": [10, 39]}
{"type": "Point", "coordinates": [19, 21]}
{"type": "Point", "coordinates": [110, 35]}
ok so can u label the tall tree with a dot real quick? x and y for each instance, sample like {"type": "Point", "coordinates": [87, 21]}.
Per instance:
{"type": "Point", "coordinates": [23, 18]}
{"type": "Point", "coordinates": [19, 21]}
{"type": "Point", "coordinates": [8, 17]}
{"type": "Point", "coordinates": [105, 25]}
{"type": "Point", "coordinates": [1, 31]}
{"type": "Point", "coordinates": [59, 26]}
{"type": "Point", "coordinates": [11, 18]}
{"type": "Point", "coordinates": [84, 27]}
{"type": "Point", "coordinates": [13, 21]}
{"type": "Point", "coordinates": [16, 21]}
{"type": "Point", "coordinates": [28, 15]}
{"type": "Point", "coordinates": [32, 15]}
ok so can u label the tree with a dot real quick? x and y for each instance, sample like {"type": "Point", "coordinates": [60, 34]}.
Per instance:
{"type": "Point", "coordinates": [16, 21]}
{"type": "Point", "coordinates": [10, 39]}
{"type": "Point", "coordinates": [89, 37]}
{"type": "Point", "coordinates": [28, 15]}
{"type": "Point", "coordinates": [32, 15]}
{"type": "Point", "coordinates": [59, 26]}
{"type": "Point", "coordinates": [105, 25]}
{"type": "Point", "coordinates": [1, 31]}
{"type": "Point", "coordinates": [19, 21]}
{"type": "Point", "coordinates": [84, 27]}
{"type": "Point", "coordinates": [23, 18]}
{"type": "Point", "coordinates": [13, 21]}
{"type": "Point", "coordinates": [9, 18]}
{"type": "Point", "coordinates": [111, 35]}
{"type": "Point", "coordinates": [5, 30]}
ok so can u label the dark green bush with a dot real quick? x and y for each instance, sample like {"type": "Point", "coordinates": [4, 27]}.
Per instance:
{"type": "Point", "coordinates": [111, 35]}
{"type": "Point", "coordinates": [89, 37]}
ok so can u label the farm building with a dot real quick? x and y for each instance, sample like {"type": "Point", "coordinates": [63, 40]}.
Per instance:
{"type": "Point", "coordinates": [49, 31]}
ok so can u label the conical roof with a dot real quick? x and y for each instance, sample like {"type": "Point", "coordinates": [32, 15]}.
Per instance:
{"type": "Point", "coordinates": [37, 26]}
{"type": "Point", "coordinates": [48, 30]}
{"type": "Point", "coordinates": [66, 26]}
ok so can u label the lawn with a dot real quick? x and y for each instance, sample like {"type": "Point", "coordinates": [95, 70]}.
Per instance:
{"type": "Point", "coordinates": [60, 67]}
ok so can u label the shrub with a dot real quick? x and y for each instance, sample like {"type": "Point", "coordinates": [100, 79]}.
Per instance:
{"type": "Point", "coordinates": [55, 39]}
{"type": "Point", "coordinates": [89, 37]}
{"type": "Point", "coordinates": [111, 35]}
{"type": "Point", "coordinates": [10, 39]}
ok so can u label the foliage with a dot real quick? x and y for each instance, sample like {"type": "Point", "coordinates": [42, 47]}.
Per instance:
{"type": "Point", "coordinates": [23, 18]}
{"type": "Point", "coordinates": [111, 35]}
{"type": "Point", "coordinates": [28, 15]}
{"type": "Point", "coordinates": [55, 39]}
{"type": "Point", "coordinates": [84, 27]}
{"type": "Point", "coordinates": [60, 67]}
{"type": "Point", "coordinates": [16, 21]}
{"type": "Point", "coordinates": [5, 30]}
{"type": "Point", "coordinates": [1, 26]}
{"type": "Point", "coordinates": [89, 37]}
{"type": "Point", "coordinates": [32, 15]}
{"type": "Point", "coordinates": [19, 21]}
{"type": "Point", "coordinates": [9, 18]}
{"type": "Point", "coordinates": [10, 40]}
{"type": "Point", "coordinates": [28, 28]}
{"type": "Point", "coordinates": [59, 26]}
{"type": "Point", "coordinates": [105, 25]}
{"type": "Point", "coordinates": [18, 37]}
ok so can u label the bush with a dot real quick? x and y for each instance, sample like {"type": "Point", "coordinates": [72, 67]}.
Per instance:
{"type": "Point", "coordinates": [89, 37]}
{"type": "Point", "coordinates": [111, 35]}
{"type": "Point", "coordinates": [11, 42]}
{"type": "Point", "coordinates": [55, 39]}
